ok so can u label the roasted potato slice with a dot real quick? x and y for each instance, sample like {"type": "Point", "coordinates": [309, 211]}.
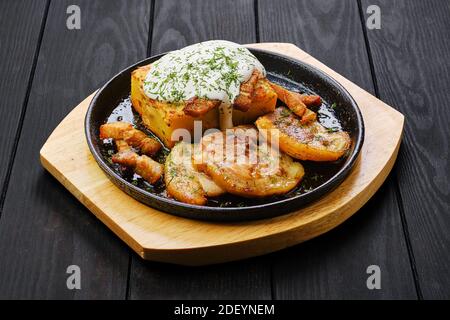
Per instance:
{"type": "Point", "coordinates": [310, 141]}
{"type": "Point", "coordinates": [183, 181]}
{"type": "Point", "coordinates": [244, 166]}
{"type": "Point", "coordinates": [164, 118]}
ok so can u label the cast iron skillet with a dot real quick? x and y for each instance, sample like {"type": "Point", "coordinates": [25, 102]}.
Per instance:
{"type": "Point", "coordinates": [282, 69]}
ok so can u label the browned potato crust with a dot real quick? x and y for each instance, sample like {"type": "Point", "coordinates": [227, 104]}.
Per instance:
{"type": "Point", "coordinates": [183, 181]}
{"type": "Point", "coordinates": [309, 141]}
{"type": "Point", "coordinates": [164, 118]}
{"type": "Point", "coordinates": [256, 171]}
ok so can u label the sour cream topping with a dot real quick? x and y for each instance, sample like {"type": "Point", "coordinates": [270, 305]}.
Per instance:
{"type": "Point", "coordinates": [212, 70]}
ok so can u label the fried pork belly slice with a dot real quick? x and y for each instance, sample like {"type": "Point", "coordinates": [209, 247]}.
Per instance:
{"type": "Point", "coordinates": [239, 164]}
{"type": "Point", "coordinates": [196, 107]}
{"type": "Point", "coordinates": [164, 118]}
{"type": "Point", "coordinates": [296, 102]}
{"type": "Point", "coordinates": [311, 100]}
{"type": "Point", "coordinates": [183, 181]}
{"type": "Point", "coordinates": [308, 116]}
{"type": "Point", "coordinates": [310, 141]}
{"type": "Point", "coordinates": [146, 167]}
{"type": "Point", "coordinates": [133, 137]}
{"type": "Point", "coordinates": [244, 100]}
{"type": "Point", "coordinates": [122, 146]}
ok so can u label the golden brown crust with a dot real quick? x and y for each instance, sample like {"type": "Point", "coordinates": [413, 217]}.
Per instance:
{"type": "Point", "coordinates": [196, 107]}
{"type": "Point", "coordinates": [114, 131]}
{"type": "Point", "coordinates": [164, 118]}
{"type": "Point", "coordinates": [292, 99]}
{"type": "Point", "coordinates": [244, 100]}
{"type": "Point", "coordinates": [144, 166]}
{"type": "Point", "coordinates": [308, 116]}
{"type": "Point", "coordinates": [309, 141]}
{"type": "Point", "coordinates": [311, 100]}
{"type": "Point", "coordinates": [298, 103]}
{"type": "Point", "coordinates": [122, 146]}
{"type": "Point", "coordinates": [255, 171]}
{"type": "Point", "coordinates": [125, 158]}
{"type": "Point", "coordinates": [126, 137]}
{"type": "Point", "coordinates": [134, 137]}
{"type": "Point", "coordinates": [149, 169]}
{"type": "Point", "coordinates": [183, 181]}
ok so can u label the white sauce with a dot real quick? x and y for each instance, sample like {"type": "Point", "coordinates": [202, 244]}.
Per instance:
{"type": "Point", "coordinates": [213, 70]}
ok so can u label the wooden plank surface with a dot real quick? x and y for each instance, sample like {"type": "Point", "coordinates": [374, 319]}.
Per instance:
{"type": "Point", "coordinates": [411, 62]}
{"type": "Point", "coordinates": [18, 48]}
{"type": "Point", "coordinates": [335, 266]}
{"type": "Point", "coordinates": [43, 228]}
{"type": "Point", "coordinates": [199, 21]}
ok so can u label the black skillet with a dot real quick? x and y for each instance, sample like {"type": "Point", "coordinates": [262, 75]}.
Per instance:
{"type": "Point", "coordinates": [319, 178]}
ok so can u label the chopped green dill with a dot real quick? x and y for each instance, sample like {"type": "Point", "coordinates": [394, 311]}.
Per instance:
{"type": "Point", "coordinates": [173, 171]}
{"type": "Point", "coordinates": [332, 129]}
{"type": "Point", "coordinates": [285, 112]}
{"type": "Point", "coordinates": [318, 137]}
{"type": "Point", "coordinates": [200, 70]}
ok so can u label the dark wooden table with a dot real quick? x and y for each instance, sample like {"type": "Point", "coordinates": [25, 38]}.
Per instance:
{"type": "Point", "coordinates": [46, 69]}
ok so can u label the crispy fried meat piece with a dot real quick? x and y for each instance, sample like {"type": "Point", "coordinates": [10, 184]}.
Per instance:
{"type": "Point", "coordinates": [144, 166]}
{"type": "Point", "coordinates": [298, 103]}
{"type": "Point", "coordinates": [244, 99]}
{"type": "Point", "coordinates": [196, 107]}
{"type": "Point", "coordinates": [133, 137]}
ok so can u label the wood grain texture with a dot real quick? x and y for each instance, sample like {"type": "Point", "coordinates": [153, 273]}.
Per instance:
{"type": "Point", "coordinates": [177, 24]}
{"type": "Point", "coordinates": [19, 42]}
{"type": "Point", "coordinates": [248, 279]}
{"type": "Point", "coordinates": [43, 229]}
{"type": "Point", "coordinates": [180, 23]}
{"type": "Point", "coordinates": [162, 237]}
{"type": "Point", "coordinates": [327, 29]}
{"type": "Point", "coordinates": [335, 267]}
{"type": "Point", "coordinates": [411, 59]}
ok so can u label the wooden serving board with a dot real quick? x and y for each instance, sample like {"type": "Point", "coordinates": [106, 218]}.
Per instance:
{"type": "Point", "coordinates": [159, 236]}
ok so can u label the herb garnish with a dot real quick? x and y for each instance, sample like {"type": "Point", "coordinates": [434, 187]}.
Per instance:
{"type": "Point", "coordinates": [213, 69]}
